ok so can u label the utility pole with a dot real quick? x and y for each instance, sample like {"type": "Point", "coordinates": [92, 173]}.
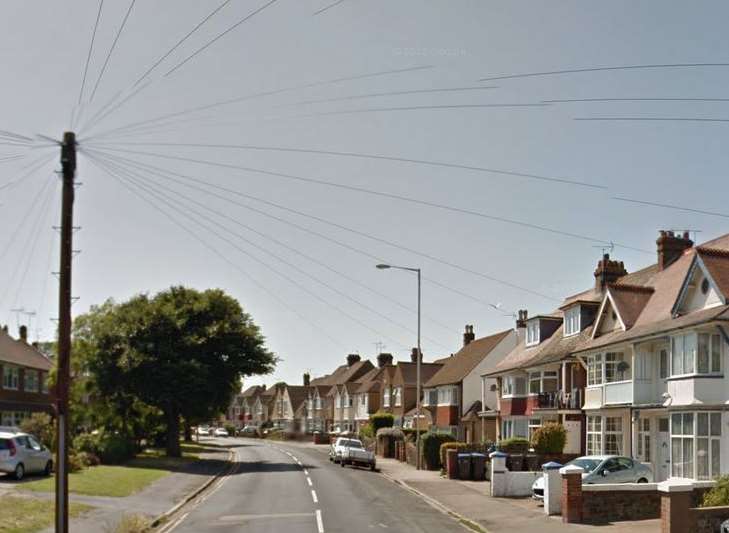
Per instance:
{"type": "Point", "coordinates": [68, 165]}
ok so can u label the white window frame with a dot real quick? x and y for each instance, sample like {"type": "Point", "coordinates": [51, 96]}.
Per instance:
{"type": "Point", "coordinates": [540, 377]}
{"type": "Point", "coordinates": [35, 385]}
{"type": "Point", "coordinates": [685, 356]}
{"type": "Point", "coordinates": [11, 377]}
{"type": "Point", "coordinates": [428, 397]}
{"type": "Point", "coordinates": [510, 388]}
{"type": "Point", "coordinates": [448, 395]}
{"type": "Point", "coordinates": [532, 333]}
{"type": "Point", "coordinates": [515, 427]}
{"type": "Point", "coordinates": [685, 442]}
{"type": "Point", "coordinates": [572, 321]}
{"type": "Point", "coordinates": [594, 444]}
{"type": "Point", "coordinates": [602, 368]}
{"type": "Point", "coordinates": [644, 451]}
{"type": "Point", "coordinates": [603, 431]}
{"type": "Point", "coordinates": [595, 370]}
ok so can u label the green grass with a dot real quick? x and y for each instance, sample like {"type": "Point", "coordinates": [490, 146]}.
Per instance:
{"type": "Point", "coordinates": [26, 515]}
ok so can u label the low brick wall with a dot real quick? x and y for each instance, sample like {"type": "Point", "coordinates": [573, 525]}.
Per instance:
{"type": "Point", "coordinates": [602, 504]}
{"type": "Point", "coordinates": [708, 519]}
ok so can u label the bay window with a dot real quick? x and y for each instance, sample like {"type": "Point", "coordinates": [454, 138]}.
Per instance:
{"type": "Point", "coordinates": [514, 428]}
{"type": "Point", "coordinates": [572, 321]}
{"type": "Point", "coordinates": [695, 353]}
{"type": "Point", "coordinates": [604, 435]}
{"type": "Point", "coordinates": [610, 367]}
{"type": "Point", "coordinates": [447, 396]}
{"type": "Point", "coordinates": [696, 445]}
{"type": "Point", "coordinates": [430, 397]}
{"type": "Point", "coordinates": [513, 386]}
{"type": "Point", "coordinates": [594, 369]}
{"type": "Point", "coordinates": [545, 381]}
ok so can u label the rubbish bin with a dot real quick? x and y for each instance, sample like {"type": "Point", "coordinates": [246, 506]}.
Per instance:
{"type": "Point", "coordinates": [464, 465]}
{"type": "Point", "coordinates": [452, 463]}
{"type": "Point", "coordinates": [478, 466]}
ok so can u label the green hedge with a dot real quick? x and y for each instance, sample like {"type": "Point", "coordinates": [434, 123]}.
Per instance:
{"type": "Point", "coordinates": [431, 443]}
{"type": "Point", "coordinates": [514, 445]}
{"type": "Point", "coordinates": [550, 438]}
{"type": "Point", "coordinates": [461, 447]}
{"type": "Point", "coordinates": [366, 432]}
{"type": "Point", "coordinates": [718, 496]}
{"type": "Point", "coordinates": [381, 420]}
{"type": "Point", "coordinates": [110, 448]}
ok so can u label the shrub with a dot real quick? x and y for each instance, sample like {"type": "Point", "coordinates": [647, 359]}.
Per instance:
{"type": "Point", "coordinates": [550, 438]}
{"type": "Point", "coordinates": [718, 496]}
{"type": "Point", "coordinates": [111, 448]}
{"type": "Point", "coordinates": [459, 446]}
{"type": "Point", "coordinates": [131, 523]}
{"type": "Point", "coordinates": [75, 463]}
{"type": "Point", "coordinates": [88, 459]}
{"type": "Point", "coordinates": [40, 425]}
{"type": "Point", "coordinates": [230, 428]}
{"type": "Point", "coordinates": [381, 420]}
{"type": "Point", "coordinates": [366, 432]}
{"type": "Point", "coordinates": [514, 445]}
{"type": "Point", "coordinates": [431, 443]}
{"type": "Point", "coordinates": [86, 442]}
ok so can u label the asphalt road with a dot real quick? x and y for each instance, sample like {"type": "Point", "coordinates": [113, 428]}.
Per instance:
{"type": "Point", "coordinates": [275, 488]}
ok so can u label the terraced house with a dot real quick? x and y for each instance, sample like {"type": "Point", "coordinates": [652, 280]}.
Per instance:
{"type": "Point", "coordinates": [344, 382]}
{"type": "Point", "coordinates": [23, 379]}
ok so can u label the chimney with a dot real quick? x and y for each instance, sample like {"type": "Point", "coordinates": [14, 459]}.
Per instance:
{"type": "Point", "coordinates": [24, 334]}
{"type": "Point", "coordinates": [608, 271]}
{"type": "Point", "coordinates": [384, 359]}
{"type": "Point", "coordinates": [353, 358]}
{"type": "Point", "coordinates": [670, 246]}
{"type": "Point", "coordinates": [521, 318]}
{"type": "Point", "coordinates": [414, 355]}
{"type": "Point", "coordinates": [468, 336]}
{"type": "Point", "coordinates": [307, 379]}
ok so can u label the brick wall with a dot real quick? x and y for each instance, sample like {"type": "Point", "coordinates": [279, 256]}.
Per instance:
{"type": "Point", "coordinates": [512, 406]}
{"type": "Point", "coordinates": [708, 519]}
{"type": "Point", "coordinates": [601, 507]}
{"type": "Point", "coordinates": [446, 415]}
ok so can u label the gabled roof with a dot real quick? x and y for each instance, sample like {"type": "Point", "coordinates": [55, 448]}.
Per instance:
{"type": "Point", "coordinates": [371, 381]}
{"type": "Point", "coordinates": [298, 394]}
{"type": "Point", "coordinates": [18, 352]}
{"type": "Point", "coordinates": [406, 372]}
{"type": "Point", "coordinates": [252, 392]}
{"type": "Point", "coordinates": [716, 262]}
{"type": "Point", "coordinates": [462, 363]}
{"type": "Point", "coordinates": [627, 301]}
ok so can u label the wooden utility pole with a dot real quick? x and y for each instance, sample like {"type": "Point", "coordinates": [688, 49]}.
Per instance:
{"type": "Point", "coordinates": [63, 378]}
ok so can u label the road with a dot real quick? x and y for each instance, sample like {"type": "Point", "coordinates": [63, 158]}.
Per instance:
{"type": "Point", "coordinates": [276, 487]}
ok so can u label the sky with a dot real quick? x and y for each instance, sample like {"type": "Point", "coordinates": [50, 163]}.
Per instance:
{"type": "Point", "coordinates": [300, 255]}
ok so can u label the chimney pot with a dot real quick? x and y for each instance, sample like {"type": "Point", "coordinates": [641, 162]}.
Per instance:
{"type": "Point", "coordinates": [307, 379]}
{"type": "Point", "coordinates": [24, 333]}
{"type": "Point", "coordinates": [608, 271]}
{"type": "Point", "coordinates": [352, 359]}
{"type": "Point", "coordinates": [521, 318]}
{"type": "Point", "coordinates": [384, 359]}
{"type": "Point", "coordinates": [468, 336]}
{"type": "Point", "coordinates": [414, 355]}
{"type": "Point", "coordinates": [670, 247]}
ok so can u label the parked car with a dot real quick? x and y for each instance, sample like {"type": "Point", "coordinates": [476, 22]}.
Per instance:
{"type": "Point", "coordinates": [351, 451]}
{"type": "Point", "coordinates": [220, 432]}
{"type": "Point", "coordinates": [602, 469]}
{"type": "Point", "coordinates": [203, 431]}
{"type": "Point", "coordinates": [21, 454]}
{"type": "Point", "coordinates": [249, 431]}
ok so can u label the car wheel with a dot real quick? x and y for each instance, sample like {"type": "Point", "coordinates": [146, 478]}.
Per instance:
{"type": "Point", "coordinates": [642, 480]}
{"type": "Point", "coordinates": [48, 469]}
{"type": "Point", "coordinates": [19, 472]}
{"type": "Point", "coordinates": [372, 467]}
{"type": "Point", "coordinates": [341, 463]}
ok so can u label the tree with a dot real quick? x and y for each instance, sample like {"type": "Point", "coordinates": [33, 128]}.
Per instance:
{"type": "Point", "coordinates": [182, 352]}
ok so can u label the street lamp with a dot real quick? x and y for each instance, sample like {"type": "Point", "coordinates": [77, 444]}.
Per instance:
{"type": "Point", "coordinates": [419, 356]}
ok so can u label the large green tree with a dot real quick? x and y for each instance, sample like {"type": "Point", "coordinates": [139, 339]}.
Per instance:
{"type": "Point", "coordinates": [181, 351]}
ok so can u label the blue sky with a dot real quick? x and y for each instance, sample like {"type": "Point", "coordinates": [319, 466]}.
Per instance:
{"type": "Point", "coordinates": [129, 247]}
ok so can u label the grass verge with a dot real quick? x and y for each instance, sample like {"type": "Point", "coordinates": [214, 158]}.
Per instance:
{"type": "Point", "coordinates": [27, 515]}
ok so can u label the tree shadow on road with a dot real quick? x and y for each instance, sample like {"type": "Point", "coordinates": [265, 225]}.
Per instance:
{"type": "Point", "coordinates": [251, 467]}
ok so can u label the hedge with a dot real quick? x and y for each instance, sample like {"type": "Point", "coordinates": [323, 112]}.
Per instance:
{"type": "Point", "coordinates": [431, 443]}
{"type": "Point", "coordinates": [381, 420]}
{"type": "Point", "coordinates": [479, 447]}
{"type": "Point", "coordinates": [718, 496]}
{"type": "Point", "coordinates": [550, 438]}
{"type": "Point", "coordinates": [514, 445]}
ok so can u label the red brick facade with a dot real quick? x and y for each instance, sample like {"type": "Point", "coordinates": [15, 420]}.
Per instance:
{"type": "Point", "coordinates": [447, 415]}
{"type": "Point", "coordinates": [513, 406]}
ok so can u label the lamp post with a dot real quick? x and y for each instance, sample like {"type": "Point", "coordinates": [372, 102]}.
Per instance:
{"type": "Point", "coordinates": [417, 363]}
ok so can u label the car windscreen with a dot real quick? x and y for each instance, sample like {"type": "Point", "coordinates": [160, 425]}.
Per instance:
{"type": "Point", "coordinates": [588, 465]}
{"type": "Point", "coordinates": [351, 443]}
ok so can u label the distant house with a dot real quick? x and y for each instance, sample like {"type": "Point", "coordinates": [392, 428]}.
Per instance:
{"type": "Point", "coordinates": [454, 393]}
{"type": "Point", "coordinates": [240, 412]}
{"type": "Point", "coordinates": [367, 396]}
{"type": "Point", "coordinates": [263, 407]}
{"type": "Point", "coordinates": [23, 379]}
{"type": "Point", "coordinates": [287, 404]}
{"type": "Point", "coordinates": [399, 386]}
{"type": "Point", "coordinates": [344, 383]}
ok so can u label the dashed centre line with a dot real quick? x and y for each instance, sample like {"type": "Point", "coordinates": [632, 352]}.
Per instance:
{"type": "Point", "coordinates": [319, 522]}
{"type": "Point", "coordinates": [314, 497]}
{"type": "Point", "coordinates": [308, 480]}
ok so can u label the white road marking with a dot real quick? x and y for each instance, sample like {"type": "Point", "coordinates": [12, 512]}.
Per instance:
{"type": "Point", "coordinates": [319, 522]}
{"type": "Point", "coordinates": [313, 496]}
{"type": "Point", "coordinates": [308, 480]}
{"type": "Point", "coordinates": [306, 472]}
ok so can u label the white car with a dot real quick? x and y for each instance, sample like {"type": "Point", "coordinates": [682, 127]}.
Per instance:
{"type": "Point", "coordinates": [602, 469]}
{"type": "Point", "coordinates": [22, 454]}
{"type": "Point", "coordinates": [346, 451]}
{"type": "Point", "coordinates": [203, 432]}
{"type": "Point", "coordinates": [220, 432]}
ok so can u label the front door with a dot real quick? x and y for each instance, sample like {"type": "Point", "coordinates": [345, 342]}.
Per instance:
{"type": "Point", "coordinates": [662, 463]}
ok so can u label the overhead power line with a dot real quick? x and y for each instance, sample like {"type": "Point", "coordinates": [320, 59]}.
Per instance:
{"type": "Point", "coordinates": [671, 206]}
{"type": "Point", "coordinates": [328, 7]}
{"type": "Point", "coordinates": [406, 199]}
{"type": "Point", "coordinates": [651, 119]}
{"type": "Point", "coordinates": [380, 240]}
{"type": "Point", "coordinates": [638, 99]}
{"type": "Point", "coordinates": [389, 93]}
{"type": "Point", "coordinates": [417, 108]}
{"type": "Point", "coordinates": [88, 56]}
{"type": "Point", "coordinates": [359, 155]}
{"type": "Point", "coordinates": [602, 69]}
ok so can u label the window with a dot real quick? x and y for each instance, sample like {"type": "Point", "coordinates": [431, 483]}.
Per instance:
{"type": "Point", "coordinates": [644, 439]}
{"type": "Point", "coordinates": [398, 396]}
{"type": "Point", "coordinates": [594, 369]}
{"type": "Point", "coordinates": [447, 396]}
{"type": "Point", "coordinates": [13, 418]}
{"type": "Point", "coordinates": [617, 367]}
{"type": "Point", "coordinates": [545, 381]}
{"type": "Point", "coordinates": [613, 435]}
{"type": "Point", "coordinates": [514, 427]}
{"type": "Point", "coordinates": [514, 386]}
{"type": "Point", "coordinates": [11, 377]}
{"type": "Point", "coordinates": [682, 445]}
{"type": "Point", "coordinates": [31, 380]}
{"type": "Point", "coordinates": [430, 397]}
{"type": "Point", "coordinates": [594, 435]}
{"type": "Point", "coordinates": [663, 362]}
{"type": "Point", "coordinates": [572, 321]}
{"type": "Point", "coordinates": [532, 333]}
{"type": "Point", "coordinates": [386, 397]}
{"type": "Point", "coordinates": [698, 353]}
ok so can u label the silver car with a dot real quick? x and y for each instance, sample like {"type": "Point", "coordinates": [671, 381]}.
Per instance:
{"type": "Point", "coordinates": [602, 469]}
{"type": "Point", "coordinates": [22, 454]}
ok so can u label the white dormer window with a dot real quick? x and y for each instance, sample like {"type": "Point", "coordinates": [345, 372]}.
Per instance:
{"type": "Point", "coordinates": [532, 333]}
{"type": "Point", "coordinates": [572, 321]}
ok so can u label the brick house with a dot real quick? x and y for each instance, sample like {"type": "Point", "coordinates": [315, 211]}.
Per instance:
{"type": "Point", "coordinates": [263, 407]}
{"type": "Point", "coordinates": [399, 386]}
{"type": "Point", "coordinates": [240, 412]}
{"type": "Point", "coordinates": [455, 390]}
{"type": "Point", "coordinates": [367, 394]}
{"type": "Point", "coordinates": [344, 383]}
{"type": "Point", "coordinates": [23, 379]}
{"type": "Point", "coordinates": [287, 413]}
